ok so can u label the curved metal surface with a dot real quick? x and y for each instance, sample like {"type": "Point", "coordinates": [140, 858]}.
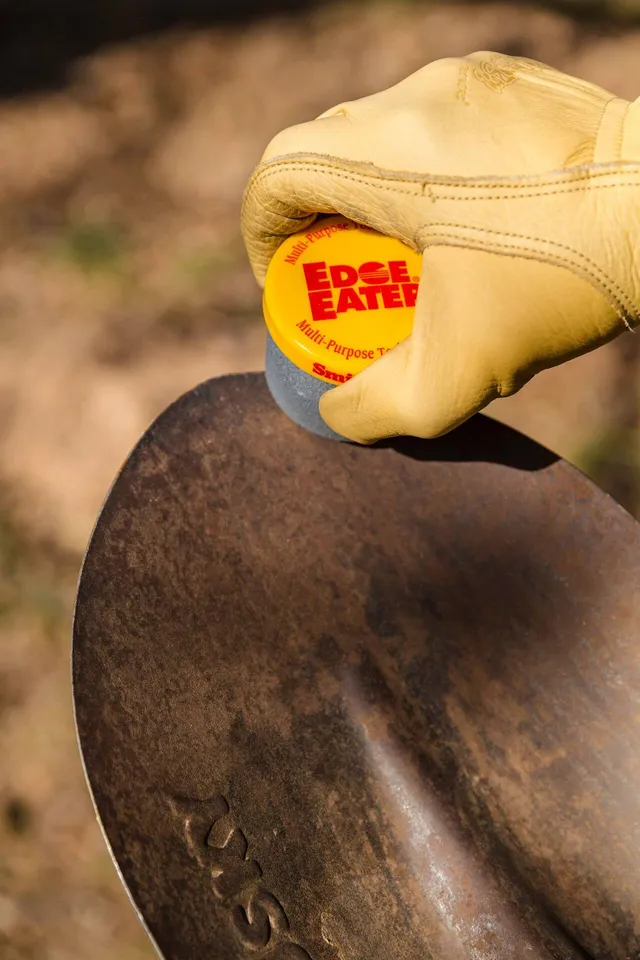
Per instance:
{"type": "Point", "coordinates": [349, 703]}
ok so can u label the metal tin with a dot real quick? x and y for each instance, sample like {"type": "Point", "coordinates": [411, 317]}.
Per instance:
{"type": "Point", "coordinates": [337, 297]}
{"type": "Point", "coordinates": [297, 393]}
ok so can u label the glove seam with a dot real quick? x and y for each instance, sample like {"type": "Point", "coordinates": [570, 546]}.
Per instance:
{"type": "Point", "coordinates": [519, 195]}
{"type": "Point", "coordinates": [611, 131]}
{"type": "Point", "coordinates": [591, 272]}
{"type": "Point", "coordinates": [424, 187]}
{"type": "Point", "coordinates": [560, 183]}
{"type": "Point", "coordinates": [631, 133]}
{"type": "Point", "coordinates": [421, 181]}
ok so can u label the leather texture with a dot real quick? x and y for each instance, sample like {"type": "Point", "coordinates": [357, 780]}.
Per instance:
{"type": "Point", "coordinates": [521, 186]}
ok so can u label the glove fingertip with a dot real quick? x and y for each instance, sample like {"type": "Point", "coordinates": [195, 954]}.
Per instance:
{"type": "Point", "coordinates": [346, 411]}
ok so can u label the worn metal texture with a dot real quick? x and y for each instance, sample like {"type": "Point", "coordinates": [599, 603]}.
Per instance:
{"type": "Point", "coordinates": [350, 703]}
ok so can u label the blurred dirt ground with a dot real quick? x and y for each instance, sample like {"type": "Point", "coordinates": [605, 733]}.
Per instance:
{"type": "Point", "coordinates": [123, 283]}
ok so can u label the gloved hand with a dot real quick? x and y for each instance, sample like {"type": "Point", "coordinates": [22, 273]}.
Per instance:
{"type": "Point", "coordinates": [522, 187]}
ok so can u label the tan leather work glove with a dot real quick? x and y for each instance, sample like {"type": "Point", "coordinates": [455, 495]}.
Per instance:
{"type": "Point", "coordinates": [522, 187]}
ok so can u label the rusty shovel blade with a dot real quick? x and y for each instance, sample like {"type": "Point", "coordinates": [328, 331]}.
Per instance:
{"type": "Point", "coordinates": [362, 703]}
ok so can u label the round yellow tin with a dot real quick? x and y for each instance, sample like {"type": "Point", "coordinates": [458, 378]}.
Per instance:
{"type": "Point", "coordinates": [338, 295]}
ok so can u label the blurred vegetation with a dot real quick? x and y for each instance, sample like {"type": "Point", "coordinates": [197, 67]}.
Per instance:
{"type": "Point", "coordinates": [612, 460]}
{"type": "Point", "coordinates": [612, 457]}
{"type": "Point", "coordinates": [626, 11]}
{"type": "Point", "coordinates": [38, 42]}
{"type": "Point", "coordinates": [93, 247]}
{"type": "Point", "coordinates": [615, 11]}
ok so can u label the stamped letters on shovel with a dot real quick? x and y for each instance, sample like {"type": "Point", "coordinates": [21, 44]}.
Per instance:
{"type": "Point", "coordinates": [256, 916]}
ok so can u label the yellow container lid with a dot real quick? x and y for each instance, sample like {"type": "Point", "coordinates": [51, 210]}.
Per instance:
{"type": "Point", "coordinates": [338, 296]}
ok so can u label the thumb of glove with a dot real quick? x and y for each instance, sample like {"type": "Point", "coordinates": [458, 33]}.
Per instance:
{"type": "Point", "coordinates": [479, 334]}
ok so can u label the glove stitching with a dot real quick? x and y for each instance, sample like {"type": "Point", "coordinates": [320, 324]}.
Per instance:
{"type": "Point", "coordinates": [547, 193]}
{"type": "Point", "coordinates": [518, 189]}
{"type": "Point", "coordinates": [466, 183]}
{"type": "Point", "coordinates": [610, 131]}
{"type": "Point", "coordinates": [625, 307]}
{"type": "Point", "coordinates": [516, 194]}
{"type": "Point", "coordinates": [627, 131]}
{"type": "Point", "coordinates": [619, 305]}
{"type": "Point", "coordinates": [601, 282]}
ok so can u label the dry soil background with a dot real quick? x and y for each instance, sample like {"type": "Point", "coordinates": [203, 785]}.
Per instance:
{"type": "Point", "coordinates": [123, 282]}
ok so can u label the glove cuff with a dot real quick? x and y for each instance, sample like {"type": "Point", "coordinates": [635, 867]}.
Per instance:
{"type": "Point", "coordinates": [631, 133]}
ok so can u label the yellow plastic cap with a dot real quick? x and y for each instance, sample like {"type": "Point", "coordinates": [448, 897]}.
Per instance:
{"type": "Point", "coordinates": [338, 296]}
